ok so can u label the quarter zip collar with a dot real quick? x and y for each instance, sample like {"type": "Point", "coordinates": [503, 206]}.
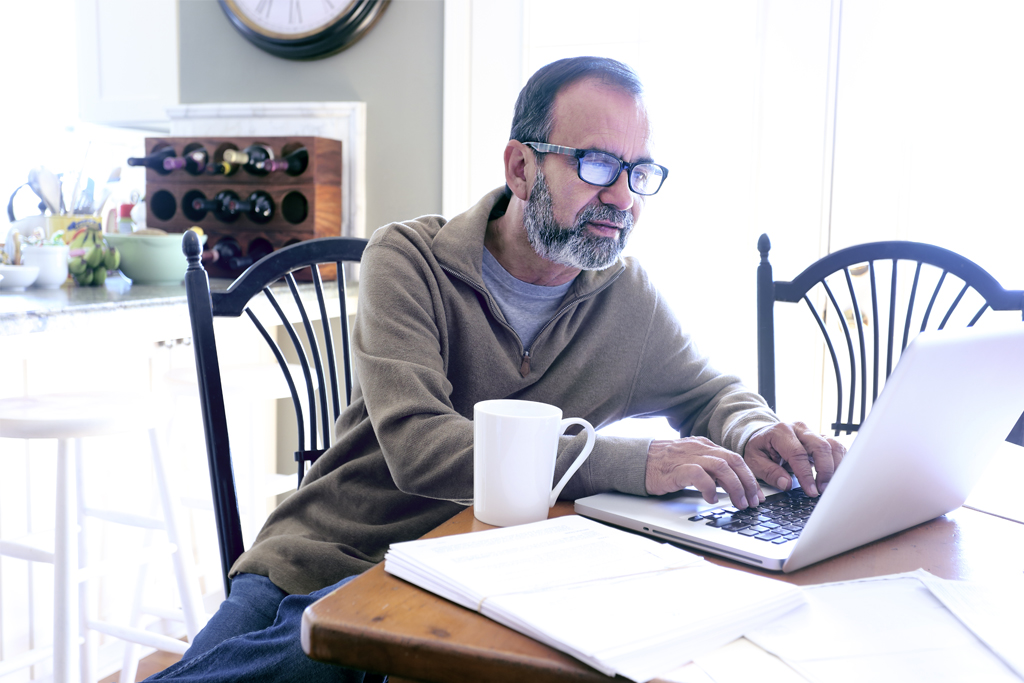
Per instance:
{"type": "Point", "coordinates": [452, 249]}
{"type": "Point", "coordinates": [458, 248]}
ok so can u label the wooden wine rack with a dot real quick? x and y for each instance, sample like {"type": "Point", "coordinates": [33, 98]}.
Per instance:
{"type": "Point", "coordinates": [307, 205]}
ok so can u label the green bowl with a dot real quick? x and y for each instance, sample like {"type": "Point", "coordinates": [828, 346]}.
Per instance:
{"type": "Point", "coordinates": [151, 259]}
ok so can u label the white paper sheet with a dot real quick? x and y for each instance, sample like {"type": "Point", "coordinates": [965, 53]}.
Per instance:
{"type": "Point", "coordinates": [738, 662]}
{"type": "Point", "coordinates": [622, 603]}
{"type": "Point", "coordinates": [884, 629]}
{"type": "Point", "coordinates": [993, 612]}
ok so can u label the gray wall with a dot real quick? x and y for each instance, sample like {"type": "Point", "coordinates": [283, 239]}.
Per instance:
{"type": "Point", "coordinates": [396, 68]}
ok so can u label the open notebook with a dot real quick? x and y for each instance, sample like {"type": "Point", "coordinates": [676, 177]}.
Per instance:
{"type": "Point", "coordinates": [950, 401]}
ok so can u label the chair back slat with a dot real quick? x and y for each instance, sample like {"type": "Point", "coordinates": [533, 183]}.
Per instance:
{"type": "Point", "coordinates": [849, 349]}
{"type": "Point", "coordinates": [957, 285]}
{"type": "Point", "coordinates": [875, 357]}
{"type": "Point", "coordinates": [893, 277]}
{"type": "Point", "coordinates": [863, 351]}
{"type": "Point", "coordinates": [312, 354]}
{"type": "Point", "coordinates": [325, 327]}
{"type": "Point", "coordinates": [910, 309]}
{"type": "Point", "coordinates": [931, 301]}
{"type": "Point", "coordinates": [346, 350]}
{"type": "Point", "coordinates": [952, 306]}
{"type": "Point", "coordinates": [978, 315]}
{"type": "Point", "coordinates": [255, 282]}
{"type": "Point", "coordinates": [283, 364]}
{"type": "Point", "coordinates": [835, 359]}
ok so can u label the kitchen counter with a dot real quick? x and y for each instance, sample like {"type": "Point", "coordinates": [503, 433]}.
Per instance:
{"type": "Point", "coordinates": [65, 309]}
{"type": "Point", "coordinates": [36, 320]}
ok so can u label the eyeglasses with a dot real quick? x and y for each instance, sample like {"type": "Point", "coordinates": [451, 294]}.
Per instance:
{"type": "Point", "coordinates": [603, 169]}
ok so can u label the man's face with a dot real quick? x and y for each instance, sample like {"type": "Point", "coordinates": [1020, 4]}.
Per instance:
{"type": "Point", "coordinates": [576, 245]}
{"type": "Point", "coordinates": [569, 221]}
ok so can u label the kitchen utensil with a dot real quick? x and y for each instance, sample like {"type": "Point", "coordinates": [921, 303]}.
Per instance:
{"type": "Point", "coordinates": [84, 204]}
{"type": "Point", "coordinates": [78, 179]}
{"type": "Point", "coordinates": [47, 186]}
{"type": "Point", "coordinates": [115, 176]}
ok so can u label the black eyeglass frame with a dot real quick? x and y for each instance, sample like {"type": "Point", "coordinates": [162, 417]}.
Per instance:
{"type": "Point", "coordinates": [546, 148]}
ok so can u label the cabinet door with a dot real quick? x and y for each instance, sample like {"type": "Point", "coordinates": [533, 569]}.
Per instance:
{"type": "Point", "coordinates": [127, 61]}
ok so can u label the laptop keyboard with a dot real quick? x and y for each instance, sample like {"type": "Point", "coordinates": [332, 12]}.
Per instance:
{"type": "Point", "coordinates": [779, 519]}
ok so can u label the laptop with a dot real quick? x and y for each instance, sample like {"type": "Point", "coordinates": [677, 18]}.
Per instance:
{"type": "Point", "coordinates": [951, 400]}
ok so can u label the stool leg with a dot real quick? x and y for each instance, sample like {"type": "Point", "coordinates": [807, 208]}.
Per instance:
{"type": "Point", "coordinates": [65, 571]}
{"type": "Point", "coordinates": [130, 661]}
{"type": "Point", "coordinates": [86, 653]}
{"type": "Point", "coordinates": [184, 565]}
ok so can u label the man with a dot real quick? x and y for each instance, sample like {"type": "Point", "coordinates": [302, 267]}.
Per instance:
{"type": "Point", "coordinates": [523, 296]}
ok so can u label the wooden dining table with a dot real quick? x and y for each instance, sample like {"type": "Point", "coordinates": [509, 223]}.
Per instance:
{"type": "Point", "coordinates": [383, 624]}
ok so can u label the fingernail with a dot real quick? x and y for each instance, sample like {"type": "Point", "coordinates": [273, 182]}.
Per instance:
{"type": "Point", "coordinates": [741, 502]}
{"type": "Point", "coordinates": [760, 496]}
{"type": "Point", "coordinates": [782, 483]}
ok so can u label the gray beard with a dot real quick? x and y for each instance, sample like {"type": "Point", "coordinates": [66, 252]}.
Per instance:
{"type": "Point", "coordinates": [575, 246]}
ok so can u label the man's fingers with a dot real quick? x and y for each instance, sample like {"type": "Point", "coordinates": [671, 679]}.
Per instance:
{"type": "Point", "coordinates": [826, 453]}
{"type": "Point", "coordinates": [767, 469]}
{"type": "Point", "coordinates": [697, 462]}
{"type": "Point", "coordinates": [812, 458]}
{"type": "Point", "coordinates": [781, 442]}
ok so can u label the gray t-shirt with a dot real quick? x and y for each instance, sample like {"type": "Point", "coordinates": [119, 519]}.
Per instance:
{"type": "Point", "coordinates": [527, 308]}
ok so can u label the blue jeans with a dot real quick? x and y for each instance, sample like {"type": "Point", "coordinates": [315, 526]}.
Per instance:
{"type": "Point", "coordinates": [254, 636]}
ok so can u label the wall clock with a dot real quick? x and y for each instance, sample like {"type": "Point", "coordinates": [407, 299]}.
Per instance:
{"type": "Point", "coordinates": [303, 29]}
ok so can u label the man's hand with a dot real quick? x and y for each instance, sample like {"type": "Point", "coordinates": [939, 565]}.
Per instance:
{"type": "Point", "coordinates": [696, 461]}
{"type": "Point", "coordinates": [806, 452]}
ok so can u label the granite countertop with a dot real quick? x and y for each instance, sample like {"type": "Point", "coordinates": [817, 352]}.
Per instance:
{"type": "Point", "coordinates": [36, 310]}
{"type": "Point", "coordinates": [157, 309]}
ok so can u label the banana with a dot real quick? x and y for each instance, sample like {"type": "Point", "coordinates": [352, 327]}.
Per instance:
{"type": "Point", "coordinates": [77, 265]}
{"type": "Point", "coordinates": [85, 278]}
{"type": "Point", "coordinates": [99, 276]}
{"type": "Point", "coordinates": [112, 259]}
{"type": "Point", "coordinates": [94, 256]}
{"type": "Point", "coordinates": [77, 239]}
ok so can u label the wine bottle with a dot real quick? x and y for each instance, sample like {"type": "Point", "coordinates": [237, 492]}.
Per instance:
{"type": "Point", "coordinates": [221, 168]}
{"type": "Point", "coordinates": [249, 158]}
{"type": "Point", "coordinates": [154, 160]}
{"type": "Point", "coordinates": [193, 161]}
{"type": "Point", "coordinates": [226, 249]}
{"type": "Point", "coordinates": [220, 206]}
{"type": "Point", "coordinates": [258, 206]}
{"type": "Point", "coordinates": [293, 163]}
{"type": "Point", "coordinates": [258, 248]}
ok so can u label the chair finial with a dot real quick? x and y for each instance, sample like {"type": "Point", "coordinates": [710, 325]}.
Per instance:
{"type": "Point", "coordinates": [764, 245]}
{"type": "Point", "coordinates": [192, 249]}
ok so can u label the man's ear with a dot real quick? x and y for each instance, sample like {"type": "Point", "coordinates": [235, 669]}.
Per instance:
{"type": "Point", "coordinates": [518, 169]}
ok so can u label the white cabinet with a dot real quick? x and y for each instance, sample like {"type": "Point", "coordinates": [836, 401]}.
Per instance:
{"type": "Point", "coordinates": [127, 61]}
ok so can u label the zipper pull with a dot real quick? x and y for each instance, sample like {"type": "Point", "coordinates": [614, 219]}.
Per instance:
{"type": "Point", "coordinates": [524, 368]}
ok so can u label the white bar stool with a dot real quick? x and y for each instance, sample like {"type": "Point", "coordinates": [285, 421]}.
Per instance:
{"type": "Point", "coordinates": [73, 417]}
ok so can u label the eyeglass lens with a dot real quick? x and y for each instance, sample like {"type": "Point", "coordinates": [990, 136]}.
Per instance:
{"type": "Point", "coordinates": [602, 169]}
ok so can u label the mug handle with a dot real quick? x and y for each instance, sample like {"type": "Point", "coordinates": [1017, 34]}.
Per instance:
{"type": "Point", "coordinates": [589, 446]}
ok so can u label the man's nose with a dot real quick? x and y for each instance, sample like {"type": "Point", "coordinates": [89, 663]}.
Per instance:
{"type": "Point", "coordinates": [618, 193]}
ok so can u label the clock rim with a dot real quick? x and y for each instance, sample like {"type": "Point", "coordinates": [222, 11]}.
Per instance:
{"type": "Point", "coordinates": [323, 42]}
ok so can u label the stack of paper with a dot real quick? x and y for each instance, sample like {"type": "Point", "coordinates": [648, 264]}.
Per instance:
{"type": "Point", "coordinates": [902, 628]}
{"type": "Point", "coordinates": [622, 603]}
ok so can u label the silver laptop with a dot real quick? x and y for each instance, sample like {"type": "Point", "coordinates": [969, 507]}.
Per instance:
{"type": "Point", "coordinates": [950, 401]}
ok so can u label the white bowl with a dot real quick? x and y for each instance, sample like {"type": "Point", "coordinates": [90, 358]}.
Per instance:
{"type": "Point", "coordinates": [17, 278]}
{"type": "Point", "coordinates": [52, 261]}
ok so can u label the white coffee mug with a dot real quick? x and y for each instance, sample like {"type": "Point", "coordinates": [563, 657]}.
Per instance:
{"type": "Point", "coordinates": [514, 448]}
